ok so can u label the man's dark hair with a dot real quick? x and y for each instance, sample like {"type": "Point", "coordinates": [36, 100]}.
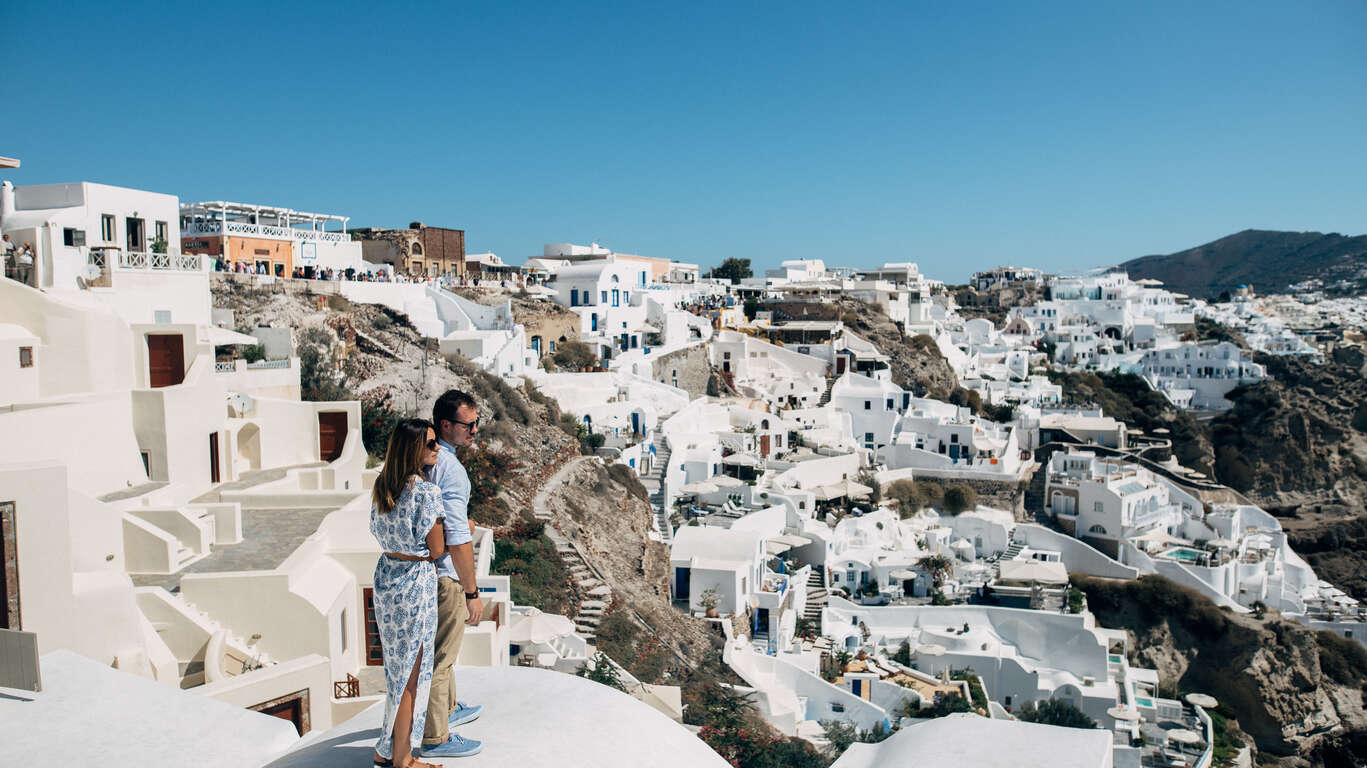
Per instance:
{"type": "Point", "coordinates": [445, 407]}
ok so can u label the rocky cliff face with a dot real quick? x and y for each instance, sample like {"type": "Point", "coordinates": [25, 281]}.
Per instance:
{"type": "Point", "coordinates": [1296, 692]}
{"type": "Point", "coordinates": [1297, 438]}
{"type": "Point", "coordinates": [916, 362]}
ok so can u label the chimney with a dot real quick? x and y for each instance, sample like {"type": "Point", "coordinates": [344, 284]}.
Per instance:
{"type": "Point", "coordinates": [6, 201]}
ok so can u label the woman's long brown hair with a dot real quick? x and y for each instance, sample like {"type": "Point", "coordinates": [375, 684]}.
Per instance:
{"type": "Point", "coordinates": [402, 460]}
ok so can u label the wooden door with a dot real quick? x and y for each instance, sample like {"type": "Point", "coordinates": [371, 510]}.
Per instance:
{"type": "Point", "coordinates": [764, 446]}
{"type": "Point", "coordinates": [293, 707]}
{"type": "Point", "coordinates": [213, 457]}
{"type": "Point", "coordinates": [332, 430]}
{"type": "Point", "coordinates": [840, 365]}
{"type": "Point", "coordinates": [165, 359]}
{"type": "Point", "coordinates": [374, 654]}
{"type": "Point", "coordinates": [9, 568]}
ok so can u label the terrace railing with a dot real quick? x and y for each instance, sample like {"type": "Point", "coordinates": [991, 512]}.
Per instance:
{"type": "Point", "coordinates": [349, 688]}
{"type": "Point", "coordinates": [174, 261]}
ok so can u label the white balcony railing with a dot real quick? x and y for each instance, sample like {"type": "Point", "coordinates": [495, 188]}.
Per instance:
{"type": "Point", "coordinates": [262, 230]}
{"type": "Point", "coordinates": [174, 261]}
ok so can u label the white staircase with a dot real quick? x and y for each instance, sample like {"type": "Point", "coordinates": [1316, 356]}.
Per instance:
{"type": "Point", "coordinates": [817, 595]}
{"type": "Point", "coordinates": [654, 483]}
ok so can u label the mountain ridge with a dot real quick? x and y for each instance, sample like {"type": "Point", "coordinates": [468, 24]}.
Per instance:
{"type": "Point", "coordinates": [1268, 260]}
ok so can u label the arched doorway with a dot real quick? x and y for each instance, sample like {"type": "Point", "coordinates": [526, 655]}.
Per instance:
{"type": "Point", "coordinates": [248, 448]}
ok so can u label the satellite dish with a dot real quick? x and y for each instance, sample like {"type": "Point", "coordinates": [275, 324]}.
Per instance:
{"type": "Point", "coordinates": [239, 403]}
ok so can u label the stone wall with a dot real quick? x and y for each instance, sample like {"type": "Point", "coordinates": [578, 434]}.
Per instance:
{"type": "Point", "coordinates": [688, 369]}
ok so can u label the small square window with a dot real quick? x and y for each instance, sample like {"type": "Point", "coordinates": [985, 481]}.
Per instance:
{"type": "Point", "coordinates": [837, 706]}
{"type": "Point", "coordinates": [26, 357]}
{"type": "Point", "coordinates": [73, 237]}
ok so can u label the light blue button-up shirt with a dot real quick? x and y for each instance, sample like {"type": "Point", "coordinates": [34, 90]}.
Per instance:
{"type": "Point", "coordinates": [454, 482]}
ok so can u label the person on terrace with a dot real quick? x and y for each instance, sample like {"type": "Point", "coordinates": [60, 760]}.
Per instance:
{"type": "Point", "coordinates": [405, 518]}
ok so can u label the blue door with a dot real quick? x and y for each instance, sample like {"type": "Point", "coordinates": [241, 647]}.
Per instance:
{"type": "Point", "coordinates": [635, 423]}
{"type": "Point", "coordinates": [680, 583]}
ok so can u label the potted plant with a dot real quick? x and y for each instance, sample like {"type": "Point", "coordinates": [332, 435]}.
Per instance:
{"type": "Point", "coordinates": [709, 601]}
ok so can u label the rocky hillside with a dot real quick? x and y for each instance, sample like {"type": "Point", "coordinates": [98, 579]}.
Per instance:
{"type": "Point", "coordinates": [1297, 438]}
{"type": "Point", "coordinates": [917, 364]}
{"type": "Point", "coordinates": [1297, 693]}
{"type": "Point", "coordinates": [607, 513]}
{"type": "Point", "coordinates": [1128, 398]}
{"type": "Point", "coordinates": [1269, 261]}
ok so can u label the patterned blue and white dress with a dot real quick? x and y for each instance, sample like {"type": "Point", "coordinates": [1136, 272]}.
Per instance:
{"type": "Point", "coordinates": [406, 603]}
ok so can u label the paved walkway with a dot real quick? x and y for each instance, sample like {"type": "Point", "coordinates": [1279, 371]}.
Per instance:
{"type": "Point", "coordinates": [552, 484]}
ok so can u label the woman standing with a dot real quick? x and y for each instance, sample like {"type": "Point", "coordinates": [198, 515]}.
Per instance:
{"type": "Point", "coordinates": [405, 518]}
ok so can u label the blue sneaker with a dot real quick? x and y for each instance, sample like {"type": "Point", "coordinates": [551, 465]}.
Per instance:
{"type": "Point", "coordinates": [465, 713]}
{"type": "Point", "coordinates": [454, 747]}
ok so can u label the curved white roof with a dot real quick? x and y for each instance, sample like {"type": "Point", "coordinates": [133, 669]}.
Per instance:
{"type": "Point", "coordinates": [971, 740]}
{"type": "Point", "coordinates": [534, 718]}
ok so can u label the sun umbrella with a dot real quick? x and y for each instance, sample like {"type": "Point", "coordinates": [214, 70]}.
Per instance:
{"type": "Point", "coordinates": [1184, 736]}
{"type": "Point", "coordinates": [1202, 700]}
{"type": "Point", "coordinates": [1123, 713]}
{"type": "Point", "coordinates": [538, 627]}
{"type": "Point", "coordinates": [726, 481]}
{"type": "Point", "coordinates": [902, 573]}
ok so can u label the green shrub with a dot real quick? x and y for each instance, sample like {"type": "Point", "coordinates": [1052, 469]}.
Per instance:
{"type": "Point", "coordinates": [1342, 660]}
{"type": "Point", "coordinates": [603, 671]}
{"type": "Point", "coordinates": [1055, 712]}
{"type": "Point", "coordinates": [537, 575]}
{"type": "Point", "coordinates": [254, 353]}
{"type": "Point", "coordinates": [959, 498]}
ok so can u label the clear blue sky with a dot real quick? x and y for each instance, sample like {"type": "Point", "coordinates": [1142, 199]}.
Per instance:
{"type": "Point", "coordinates": [1056, 134]}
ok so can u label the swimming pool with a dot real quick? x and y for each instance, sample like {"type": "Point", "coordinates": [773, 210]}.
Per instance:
{"type": "Point", "coordinates": [1143, 703]}
{"type": "Point", "coordinates": [1114, 659]}
{"type": "Point", "coordinates": [1183, 554]}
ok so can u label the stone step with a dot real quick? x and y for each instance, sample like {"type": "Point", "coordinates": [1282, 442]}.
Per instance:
{"type": "Point", "coordinates": [602, 590]}
{"type": "Point", "coordinates": [598, 604]}
{"type": "Point", "coordinates": [588, 583]}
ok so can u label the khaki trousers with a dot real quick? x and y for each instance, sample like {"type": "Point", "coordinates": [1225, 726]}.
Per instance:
{"type": "Point", "coordinates": [441, 702]}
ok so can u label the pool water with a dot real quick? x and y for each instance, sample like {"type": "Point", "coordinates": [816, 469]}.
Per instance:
{"type": "Point", "coordinates": [1144, 703]}
{"type": "Point", "coordinates": [1184, 554]}
{"type": "Point", "coordinates": [1114, 659]}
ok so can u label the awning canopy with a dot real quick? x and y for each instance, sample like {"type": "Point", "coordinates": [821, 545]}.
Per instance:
{"type": "Point", "coordinates": [741, 460]}
{"type": "Point", "coordinates": [792, 540]}
{"type": "Point", "coordinates": [1034, 571]}
{"type": "Point", "coordinates": [699, 487]}
{"type": "Point", "coordinates": [222, 337]}
{"type": "Point", "coordinates": [844, 488]}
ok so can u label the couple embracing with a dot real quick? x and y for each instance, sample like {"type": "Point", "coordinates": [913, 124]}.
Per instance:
{"type": "Point", "coordinates": [425, 591]}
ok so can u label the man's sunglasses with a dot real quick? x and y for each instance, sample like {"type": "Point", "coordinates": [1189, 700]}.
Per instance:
{"type": "Point", "coordinates": [467, 424]}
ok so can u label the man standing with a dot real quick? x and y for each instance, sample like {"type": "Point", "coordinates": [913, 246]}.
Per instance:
{"type": "Point", "coordinates": [457, 421]}
{"type": "Point", "coordinates": [6, 255]}
{"type": "Point", "coordinates": [25, 264]}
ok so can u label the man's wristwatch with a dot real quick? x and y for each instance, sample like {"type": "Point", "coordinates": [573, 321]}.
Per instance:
{"type": "Point", "coordinates": [472, 595]}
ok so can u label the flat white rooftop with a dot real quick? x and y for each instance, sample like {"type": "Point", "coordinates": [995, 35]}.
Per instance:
{"type": "Point", "coordinates": [90, 714]}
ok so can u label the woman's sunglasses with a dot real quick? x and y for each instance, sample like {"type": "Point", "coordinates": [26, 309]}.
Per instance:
{"type": "Point", "coordinates": [432, 445]}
